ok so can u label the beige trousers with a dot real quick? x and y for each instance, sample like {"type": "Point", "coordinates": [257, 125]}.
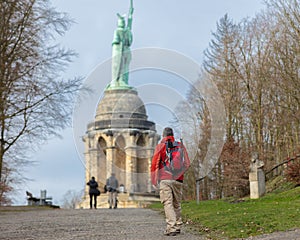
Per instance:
{"type": "Point", "coordinates": [170, 192]}
{"type": "Point", "coordinates": [112, 198]}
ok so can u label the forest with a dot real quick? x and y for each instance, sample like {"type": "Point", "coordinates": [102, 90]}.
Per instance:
{"type": "Point", "coordinates": [255, 65]}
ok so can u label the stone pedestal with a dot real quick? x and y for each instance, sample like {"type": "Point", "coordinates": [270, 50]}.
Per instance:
{"type": "Point", "coordinates": [120, 140]}
{"type": "Point", "coordinates": [257, 180]}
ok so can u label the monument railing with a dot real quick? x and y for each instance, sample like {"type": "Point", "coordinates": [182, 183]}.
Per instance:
{"type": "Point", "coordinates": [279, 168]}
{"type": "Point", "coordinates": [122, 123]}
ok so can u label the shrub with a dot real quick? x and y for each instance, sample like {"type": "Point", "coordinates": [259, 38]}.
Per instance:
{"type": "Point", "coordinates": [293, 171]}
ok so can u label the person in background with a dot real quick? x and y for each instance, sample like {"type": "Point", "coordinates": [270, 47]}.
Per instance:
{"type": "Point", "coordinates": [93, 192]}
{"type": "Point", "coordinates": [112, 185]}
{"type": "Point", "coordinates": [169, 184]}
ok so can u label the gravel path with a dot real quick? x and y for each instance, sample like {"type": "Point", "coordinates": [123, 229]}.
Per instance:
{"type": "Point", "coordinates": [121, 224]}
{"type": "Point", "coordinates": [139, 224]}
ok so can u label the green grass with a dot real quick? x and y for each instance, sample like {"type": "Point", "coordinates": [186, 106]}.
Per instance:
{"type": "Point", "coordinates": [25, 208]}
{"type": "Point", "coordinates": [278, 184]}
{"type": "Point", "coordinates": [225, 219]}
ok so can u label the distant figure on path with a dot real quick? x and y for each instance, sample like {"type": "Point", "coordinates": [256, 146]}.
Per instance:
{"type": "Point", "coordinates": [169, 162]}
{"type": "Point", "coordinates": [94, 192]}
{"type": "Point", "coordinates": [112, 185]}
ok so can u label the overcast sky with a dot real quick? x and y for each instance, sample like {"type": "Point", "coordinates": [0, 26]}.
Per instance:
{"type": "Point", "coordinates": [182, 26]}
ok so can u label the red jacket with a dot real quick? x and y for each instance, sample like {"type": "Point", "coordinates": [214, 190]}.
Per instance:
{"type": "Point", "coordinates": [157, 168]}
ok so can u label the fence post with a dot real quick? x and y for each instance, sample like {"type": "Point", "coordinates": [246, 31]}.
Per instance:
{"type": "Point", "coordinates": [198, 189]}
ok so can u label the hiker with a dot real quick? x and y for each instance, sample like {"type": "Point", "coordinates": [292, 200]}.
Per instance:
{"type": "Point", "coordinates": [112, 185]}
{"type": "Point", "coordinates": [168, 179]}
{"type": "Point", "coordinates": [93, 192]}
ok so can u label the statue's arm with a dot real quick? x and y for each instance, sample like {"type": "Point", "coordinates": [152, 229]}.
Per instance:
{"type": "Point", "coordinates": [129, 20]}
{"type": "Point", "coordinates": [129, 24]}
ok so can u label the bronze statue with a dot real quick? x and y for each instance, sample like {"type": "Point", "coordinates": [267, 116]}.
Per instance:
{"type": "Point", "coordinates": [121, 54]}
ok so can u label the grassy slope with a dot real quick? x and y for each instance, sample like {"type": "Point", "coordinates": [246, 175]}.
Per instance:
{"type": "Point", "coordinates": [224, 219]}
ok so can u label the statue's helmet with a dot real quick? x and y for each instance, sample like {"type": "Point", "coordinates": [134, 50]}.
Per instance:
{"type": "Point", "coordinates": [121, 21]}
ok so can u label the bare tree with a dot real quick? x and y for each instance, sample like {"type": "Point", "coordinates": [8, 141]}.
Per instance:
{"type": "Point", "coordinates": [35, 102]}
{"type": "Point", "coordinates": [71, 199]}
{"type": "Point", "coordinates": [5, 186]}
{"type": "Point", "coordinates": [255, 65]}
{"type": "Point", "coordinates": [196, 129]}
{"type": "Point", "coordinates": [286, 61]}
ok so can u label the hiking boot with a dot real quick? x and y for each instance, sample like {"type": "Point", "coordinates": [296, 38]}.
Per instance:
{"type": "Point", "coordinates": [169, 233]}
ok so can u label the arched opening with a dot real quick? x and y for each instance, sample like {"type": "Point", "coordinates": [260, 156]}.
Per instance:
{"type": "Point", "coordinates": [141, 141]}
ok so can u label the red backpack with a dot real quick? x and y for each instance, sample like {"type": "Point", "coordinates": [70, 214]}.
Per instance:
{"type": "Point", "coordinates": [174, 162]}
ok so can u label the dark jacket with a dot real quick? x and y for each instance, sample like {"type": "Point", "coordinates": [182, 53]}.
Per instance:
{"type": "Point", "coordinates": [93, 186]}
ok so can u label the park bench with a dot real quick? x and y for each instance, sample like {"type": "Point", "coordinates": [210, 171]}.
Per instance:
{"type": "Point", "coordinates": [42, 201]}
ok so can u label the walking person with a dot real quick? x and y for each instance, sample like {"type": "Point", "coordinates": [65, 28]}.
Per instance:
{"type": "Point", "coordinates": [112, 185]}
{"type": "Point", "coordinates": [169, 162]}
{"type": "Point", "coordinates": [93, 192]}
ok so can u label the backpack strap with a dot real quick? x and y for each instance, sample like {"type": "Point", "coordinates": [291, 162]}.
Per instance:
{"type": "Point", "coordinates": [181, 152]}
{"type": "Point", "coordinates": [168, 156]}
{"type": "Point", "coordinates": [170, 148]}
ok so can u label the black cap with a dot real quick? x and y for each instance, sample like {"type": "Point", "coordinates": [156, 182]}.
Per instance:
{"type": "Point", "coordinates": [168, 132]}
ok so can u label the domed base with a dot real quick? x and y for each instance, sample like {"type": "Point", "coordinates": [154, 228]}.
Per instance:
{"type": "Point", "coordinates": [121, 108]}
{"type": "Point", "coordinates": [123, 123]}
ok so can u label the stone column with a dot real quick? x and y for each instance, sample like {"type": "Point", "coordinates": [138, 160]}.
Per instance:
{"type": "Point", "coordinates": [153, 141]}
{"type": "Point", "coordinates": [87, 172]}
{"type": "Point", "coordinates": [93, 157]}
{"type": "Point", "coordinates": [87, 161]}
{"type": "Point", "coordinates": [110, 154]}
{"type": "Point", "coordinates": [257, 179]}
{"type": "Point", "coordinates": [131, 171]}
{"type": "Point", "coordinates": [149, 156]}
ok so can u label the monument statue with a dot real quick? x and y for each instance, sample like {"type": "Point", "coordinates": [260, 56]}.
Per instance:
{"type": "Point", "coordinates": [121, 54]}
{"type": "Point", "coordinates": [257, 178]}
